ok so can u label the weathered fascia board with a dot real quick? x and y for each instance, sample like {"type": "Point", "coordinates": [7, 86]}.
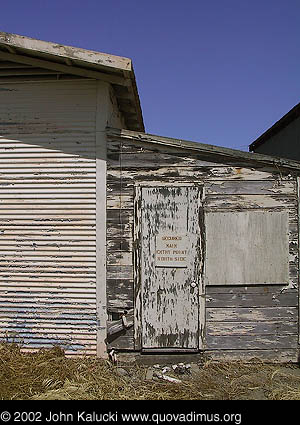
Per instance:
{"type": "Point", "coordinates": [54, 66]}
{"type": "Point", "coordinates": [15, 41]}
{"type": "Point", "coordinates": [219, 153]}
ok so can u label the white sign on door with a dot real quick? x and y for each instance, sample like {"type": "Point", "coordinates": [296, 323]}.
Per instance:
{"type": "Point", "coordinates": [171, 250]}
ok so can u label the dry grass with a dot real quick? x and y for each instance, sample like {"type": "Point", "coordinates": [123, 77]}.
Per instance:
{"type": "Point", "coordinates": [48, 374]}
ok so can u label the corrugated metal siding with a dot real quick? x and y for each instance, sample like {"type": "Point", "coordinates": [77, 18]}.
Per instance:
{"type": "Point", "coordinates": [47, 215]}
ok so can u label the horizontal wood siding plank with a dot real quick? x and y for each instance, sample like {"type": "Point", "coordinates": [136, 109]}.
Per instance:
{"type": "Point", "coordinates": [250, 342]}
{"type": "Point", "coordinates": [256, 329]}
{"type": "Point", "coordinates": [122, 341]}
{"type": "Point", "coordinates": [263, 298]}
{"type": "Point", "coordinates": [251, 314]}
{"type": "Point", "coordinates": [119, 216]}
{"type": "Point", "coordinates": [119, 272]}
{"type": "Point", "coordinates": [120, 258]}
{"type": "Point", "coordinates": [242, 322]}
{"type": "Point", "coordinates": [180, 174]}
{"type": "Point", "coordinates": [234, 202]}
{"type": "Point", "coordinates": [249, 289]}
{"type": "Point", "coordinates": [273, 355]}
{"type": "Point", "coordinates": [119, 294]}
{"type": "Point", "coordinates": [260, 187]}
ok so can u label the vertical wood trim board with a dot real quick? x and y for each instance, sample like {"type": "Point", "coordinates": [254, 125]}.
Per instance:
{"type": "Point", "coordinates": [137, 268]}
{"type": "Point", "coordinates": [101, 123]}
{"type": "Point", "coordinates": [298, 262]}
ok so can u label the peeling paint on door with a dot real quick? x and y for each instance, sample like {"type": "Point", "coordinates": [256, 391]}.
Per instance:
{"type": "Point", "coordinates": [170, 285]}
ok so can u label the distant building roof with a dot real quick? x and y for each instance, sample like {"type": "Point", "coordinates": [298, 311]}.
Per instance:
{"type": "Point", "coordinates": [35, 56]}
{"type": "Point", "coordinates": [279, 125]}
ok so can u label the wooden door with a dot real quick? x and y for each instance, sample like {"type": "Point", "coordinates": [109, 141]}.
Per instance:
{"type": "Point", "coordinates": [170, 268]}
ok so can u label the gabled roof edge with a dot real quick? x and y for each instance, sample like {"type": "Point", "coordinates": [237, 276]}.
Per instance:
{"type": "Point", "coordinates": [116, 70]}
{"type": "Point", "coordinates": [220, 152]}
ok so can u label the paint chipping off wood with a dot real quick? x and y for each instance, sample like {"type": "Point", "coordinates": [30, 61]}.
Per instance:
{"type": "Point", "coordinates": [235, 321]}
{"type": "Point", "coordinates": [170, 294]}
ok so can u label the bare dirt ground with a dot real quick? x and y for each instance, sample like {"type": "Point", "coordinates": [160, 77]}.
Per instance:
{"type": "Point", "coordinates": [49, 375]}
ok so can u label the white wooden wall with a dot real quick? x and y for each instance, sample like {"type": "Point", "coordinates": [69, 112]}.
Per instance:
{"type": "Point", "coordinates": [48, 214]}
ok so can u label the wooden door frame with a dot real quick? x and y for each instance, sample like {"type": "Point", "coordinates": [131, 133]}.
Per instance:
{"type": "Point", "coordinates": [137, 280]}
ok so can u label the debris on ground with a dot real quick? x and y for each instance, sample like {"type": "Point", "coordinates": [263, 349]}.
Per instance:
{"type": "Point", "coordinates": [49, 375]}
{"type": "Point", "coordinates": [169, 373]}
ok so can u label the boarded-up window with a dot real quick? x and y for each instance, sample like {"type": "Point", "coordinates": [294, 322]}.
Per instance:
{"type": "Point", "coordinates": [246, 247]}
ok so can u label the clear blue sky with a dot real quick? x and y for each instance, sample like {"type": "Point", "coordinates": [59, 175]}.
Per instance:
{"type": "Point", "coordinates": [214, 71]}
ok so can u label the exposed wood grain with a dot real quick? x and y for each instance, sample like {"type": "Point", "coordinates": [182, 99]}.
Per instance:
{"type": "Point", "coordinates": [251, 314]}
{"type": "Point", "coordinates": [119, 294]}
{"type": "Point", "coordinates": [119, 272]}
{"type": "Point", "coordinates": [233, 202]}
{"type": "Point", "coordinates": [255, 252]}
{"type": "Point", "coordinates": [273, 355]}
{"type": "Point", "coordinates": [267, 297]}
{"type": "Point", "coordinates": [248, 342]}
{"type": "Point", "coordinates": [251, 328]}
{"type": "Point", "coordinates": [117, 258]}
{"type": "Point", "coordinates": [222, 154]}
{"type": "Point", "coordinates": [233, 182]}
{"type": "Point", "coordinates": [254, 187]}
{"type": "Point", "coordinates": [169, 302]}
{"type": "Point", "coordinates": [121, 341]}
{"type": "Point", "coordinates": [125, 323]}
{"type": "Point", "coordinates": [298, 220]}
{"type": "Point", "coordinates": [119, 244]}
{"type": "Point", "coordinates": [180, 174]}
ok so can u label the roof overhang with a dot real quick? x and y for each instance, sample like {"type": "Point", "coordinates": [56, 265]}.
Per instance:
{"type": "Point", "coordinates": [225, 155]}
{"type": "Point", "coordinates": [28, 58]}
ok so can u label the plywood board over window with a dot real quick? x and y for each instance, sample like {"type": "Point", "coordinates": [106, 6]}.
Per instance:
{"type": "Point", "coordinates": [247, 247]}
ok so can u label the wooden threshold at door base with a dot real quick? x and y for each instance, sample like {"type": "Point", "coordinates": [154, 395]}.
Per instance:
{"type": "Point", "coordinates": [170, 351]}
{"type": "Point", "coordinates": [160, 358]}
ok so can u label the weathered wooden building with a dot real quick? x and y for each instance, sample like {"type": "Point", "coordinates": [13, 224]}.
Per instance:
{"type": "Point", "coordinates": [283, 138]}
{"type": "Point", "coordinates": [202, 244]}
{"type": "Point", "coordinates": [116, 239]}
{"type": "Point", "coordinates": [55, 104]}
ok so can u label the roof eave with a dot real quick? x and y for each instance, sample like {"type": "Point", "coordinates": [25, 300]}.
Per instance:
{"type": "Point", "coordinates": [67, 52]}
{"type": "Point", "coordinates": [116, 70]}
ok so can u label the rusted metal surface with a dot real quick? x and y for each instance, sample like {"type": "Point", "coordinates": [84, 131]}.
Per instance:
{"type": "Point", "coordinates": [47, 215]}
